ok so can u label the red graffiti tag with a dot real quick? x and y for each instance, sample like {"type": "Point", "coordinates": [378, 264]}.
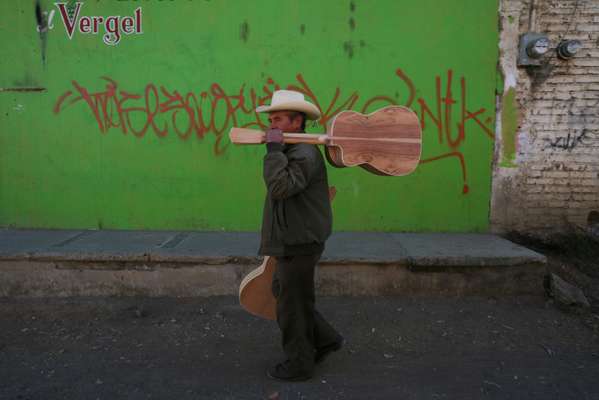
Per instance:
{"type": "Point", "coordinates": [163, 111]}
{"type": "Point", "coordinates": [442, 120]}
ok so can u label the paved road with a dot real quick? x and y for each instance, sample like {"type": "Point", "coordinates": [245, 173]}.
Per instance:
{"type": "Point", "coordinates": [209, 348]}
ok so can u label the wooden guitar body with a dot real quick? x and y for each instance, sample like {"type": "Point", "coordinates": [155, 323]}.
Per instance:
{"type": "Point", "coordinates": [385, 142]}
{"type": "Point", "coordinates": [255, 291]}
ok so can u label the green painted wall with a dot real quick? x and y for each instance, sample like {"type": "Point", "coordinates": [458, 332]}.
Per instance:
{"type": "Point", "coordinates": [509, 128]}
{"type": "Point", "coordinates": [134, 136]}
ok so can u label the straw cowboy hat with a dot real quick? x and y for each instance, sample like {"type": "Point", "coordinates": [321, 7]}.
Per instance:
{"type": "Point", "coordinates": [289, 100]}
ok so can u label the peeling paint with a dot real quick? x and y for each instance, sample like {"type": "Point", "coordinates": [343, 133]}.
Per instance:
{"type": "Point", "coordinates": [71, 6]}
{"type": "Point", "coordinates": [509, 126]}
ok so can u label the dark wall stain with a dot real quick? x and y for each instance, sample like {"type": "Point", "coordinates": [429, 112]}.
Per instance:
{"type": "Point", "coordinates": [348, 46]}
{"type": "Point", "coordinates": [38, 14]}
{"type": "Point", "coordinates": [23, 89]}
{"type": "Point", "coordinates": [27, 81]}
{"type": "Point", "coordinates": [540, 74]}
{"type": "Point", "coordinates": [42, 21]}
{"type": "Point", "coordinates": [244, 31]}
{"type": "Point", "coordinates": [349, 49]}
{"type": "Point", "coordinates": [302, 28]}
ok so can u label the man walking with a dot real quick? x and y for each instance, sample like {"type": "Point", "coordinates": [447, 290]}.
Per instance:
{"type": "Point", "coordinates": [297, 220]}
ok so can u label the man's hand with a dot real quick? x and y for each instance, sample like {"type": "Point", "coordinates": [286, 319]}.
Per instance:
{"type": "Point", "coordinates": [274, 136]}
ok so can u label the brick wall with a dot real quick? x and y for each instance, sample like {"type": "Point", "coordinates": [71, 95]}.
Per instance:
{"type": "Point", "coordinates": [546, 170]}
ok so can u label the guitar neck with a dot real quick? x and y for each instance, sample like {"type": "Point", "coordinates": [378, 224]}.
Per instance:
{"type": "Point", "coordinates": [253, 136]}
{"type": "Point", "coordinates": [305, 138]}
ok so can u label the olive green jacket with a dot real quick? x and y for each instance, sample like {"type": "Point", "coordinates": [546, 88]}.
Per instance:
{"type": "Point", "coordinates": [297, 217]}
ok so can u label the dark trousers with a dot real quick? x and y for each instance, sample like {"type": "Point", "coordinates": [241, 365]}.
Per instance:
{"type": "Point", "coordinates": [303, 328]}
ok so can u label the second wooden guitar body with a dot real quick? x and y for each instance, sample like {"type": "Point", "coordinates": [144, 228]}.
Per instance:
{"type": "Point", "coordinates": [255, 290]}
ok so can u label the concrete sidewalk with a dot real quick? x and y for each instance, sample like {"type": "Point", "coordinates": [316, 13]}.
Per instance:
{"type": "Point", "coordinates": [181, 263]}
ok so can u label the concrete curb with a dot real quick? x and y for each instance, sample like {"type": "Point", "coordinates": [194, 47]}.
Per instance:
{"type": "Point", "coordinates": [73, 278]}
{"type": "Point", "coordinates": [59, 263]}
